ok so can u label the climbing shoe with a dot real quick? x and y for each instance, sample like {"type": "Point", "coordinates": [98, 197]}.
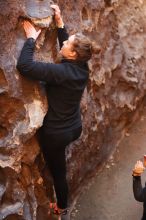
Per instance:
{"type": "Point", "coordinates": [63, 214]}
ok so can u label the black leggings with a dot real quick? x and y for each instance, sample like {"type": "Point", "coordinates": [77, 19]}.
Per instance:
{"type": "Point", "coordinates": [53, 147]}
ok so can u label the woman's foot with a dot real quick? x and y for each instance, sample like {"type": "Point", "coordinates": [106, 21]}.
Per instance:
{"type": "Point", "coordinates": [63, 214]}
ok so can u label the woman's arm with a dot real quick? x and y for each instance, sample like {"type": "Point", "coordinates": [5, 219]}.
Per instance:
{"type": "Point", "coordinates": [62, 32]}
{"type": "Point", "coordinates": [62, 36]}
{"type": "Point", "coordinates": [51, 73]}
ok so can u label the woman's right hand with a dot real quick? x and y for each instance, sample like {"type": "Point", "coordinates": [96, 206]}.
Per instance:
{"type": "Point", "coordinates": [58, 17]}
{"type": "Point", "coordinates": [138, 169]}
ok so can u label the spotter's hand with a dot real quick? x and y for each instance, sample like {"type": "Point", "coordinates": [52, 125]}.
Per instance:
{"type": "Point", "coordinates": [30, 30]}
{"type": "Point", "coordinates": [138, 169]}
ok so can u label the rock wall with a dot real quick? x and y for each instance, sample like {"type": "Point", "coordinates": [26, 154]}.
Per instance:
{"type": "Point", "coordinates": [113, 98]}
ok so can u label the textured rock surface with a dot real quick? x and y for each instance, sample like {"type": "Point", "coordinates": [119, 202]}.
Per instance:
{"type": "Point", "coordinates": [114, 94]}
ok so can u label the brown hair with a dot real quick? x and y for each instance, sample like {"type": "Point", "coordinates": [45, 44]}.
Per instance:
{"type": "Point", "coordinates": [84, 47]}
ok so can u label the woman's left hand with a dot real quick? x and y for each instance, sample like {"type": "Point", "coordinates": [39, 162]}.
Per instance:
{"type": "Point", "coordinates": [30, 30]}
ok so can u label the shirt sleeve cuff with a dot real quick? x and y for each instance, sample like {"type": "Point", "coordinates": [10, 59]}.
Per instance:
{"type": "Point", "coordinates": [31, 40]}
{"type": "Point", "coordinates": [136, 177]}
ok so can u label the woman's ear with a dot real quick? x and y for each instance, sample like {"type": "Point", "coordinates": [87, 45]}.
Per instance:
{"type": "Point", "coordinates": [73, 54]}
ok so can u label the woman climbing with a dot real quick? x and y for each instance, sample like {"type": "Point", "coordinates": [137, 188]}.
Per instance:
{"type": "Point", "coordinates": [65, 82]}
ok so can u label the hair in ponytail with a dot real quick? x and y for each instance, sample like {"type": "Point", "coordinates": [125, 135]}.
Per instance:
{"type": "Point", "coordinates": [84, 47]}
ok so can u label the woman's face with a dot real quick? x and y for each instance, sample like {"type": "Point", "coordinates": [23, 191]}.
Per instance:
{"type": "Point", "coordinates": [67, 48]}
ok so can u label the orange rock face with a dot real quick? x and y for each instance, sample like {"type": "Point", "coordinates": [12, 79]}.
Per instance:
{"type": "Point", "coordinates": [114, 95]}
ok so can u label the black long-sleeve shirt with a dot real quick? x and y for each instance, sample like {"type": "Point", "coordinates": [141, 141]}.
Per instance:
{"type": "Point", "coordinates": [140, 193]}
{"type": "Point", "coordinates": [65, 85]}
